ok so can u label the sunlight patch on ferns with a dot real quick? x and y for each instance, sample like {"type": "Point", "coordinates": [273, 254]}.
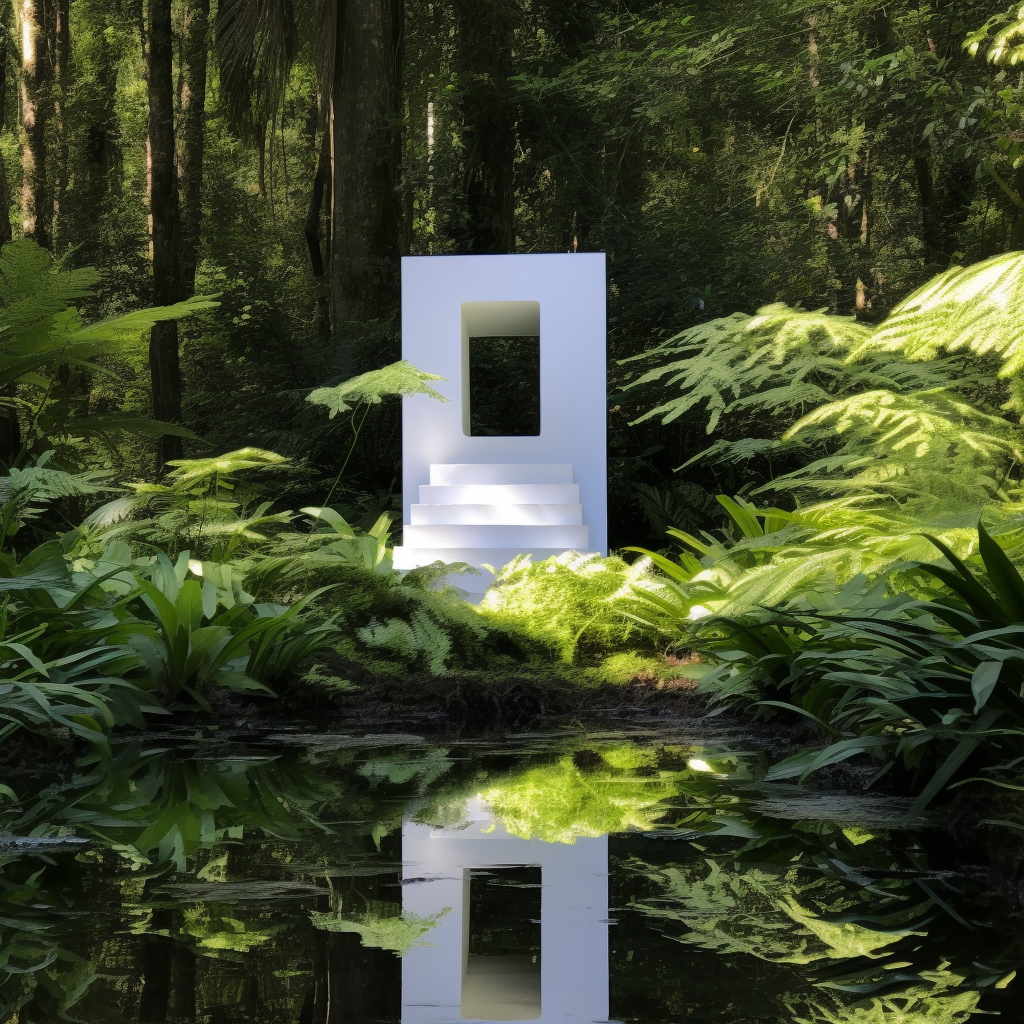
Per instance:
{"type": "Point", "coordinates": [929, 444]}
{"type": "Point", "coordinates": [978, 309]}
{"type": "Point", "coordinates": [568, 602]}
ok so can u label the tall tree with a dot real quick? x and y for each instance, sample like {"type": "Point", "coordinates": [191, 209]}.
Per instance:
{"type": "Point", "coordinates": [192, 133]}
{"type": "Point", "coordinates": [10, 428]}
{"type": "Point", "coordinates": [59, 47]}
{"type": "Point", "coordinates": [6, 233]}
{"type": "Point", "coordinates": [358, 47]}
{"type": "Point", "coordinates": [36, 66]}
{"type": "Point", "coordinates": [365, 101]}
{"type": "Point", "coordinates": [164, 366]}
{"type": "Point", "coordinates": [486, 192]}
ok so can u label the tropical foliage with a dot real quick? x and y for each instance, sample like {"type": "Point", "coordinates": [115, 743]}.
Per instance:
{"type": "Point", "coordinates": [830, 608]}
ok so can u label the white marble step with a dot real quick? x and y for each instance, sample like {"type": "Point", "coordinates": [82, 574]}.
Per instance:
{"type": "Point", "coordinates": [496, 515]}
{"type": "Point", "coordinates": [524, 538]}
{"type": "Point", "coordinates": [413, 558]}
{"type": "Point", "coordinates": [499, 494]}
{"type": "Point", "coordinates": [501, 473]}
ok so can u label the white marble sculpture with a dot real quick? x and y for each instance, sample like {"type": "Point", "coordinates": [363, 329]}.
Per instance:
{"type": "Point", "coordinates": [483, 500]}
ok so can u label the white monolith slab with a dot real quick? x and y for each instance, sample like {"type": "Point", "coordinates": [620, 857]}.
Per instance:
{"type": "Point", "coordinates": [446, 301]}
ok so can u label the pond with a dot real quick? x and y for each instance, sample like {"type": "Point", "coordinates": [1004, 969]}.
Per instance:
{"type": "Point", "coordinates": [629, 875]}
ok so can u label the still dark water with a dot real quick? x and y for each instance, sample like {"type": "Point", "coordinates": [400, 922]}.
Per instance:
{"type": "Point", "coordinates": [568, 877]}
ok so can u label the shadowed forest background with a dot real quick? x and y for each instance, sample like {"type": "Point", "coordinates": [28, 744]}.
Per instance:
{"type": "Point", "coordinates": [284, 155]}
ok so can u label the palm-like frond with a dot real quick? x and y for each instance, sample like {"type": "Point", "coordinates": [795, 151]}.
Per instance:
{"type": "Point", "coordinates": [258, 41]}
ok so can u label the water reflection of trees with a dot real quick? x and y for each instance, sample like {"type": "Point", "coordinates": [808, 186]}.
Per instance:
{"type": "Point", "coordinates": [194, 893]}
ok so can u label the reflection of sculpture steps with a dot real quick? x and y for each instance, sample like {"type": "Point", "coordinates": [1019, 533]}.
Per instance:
{"type": "Point", "coordinates": [489, 513]}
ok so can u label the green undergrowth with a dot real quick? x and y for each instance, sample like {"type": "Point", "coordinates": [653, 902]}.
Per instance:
{"type": "Point", "coordinates": [869, 588]}
{"type": "Point", "coordinates": [171, 594]}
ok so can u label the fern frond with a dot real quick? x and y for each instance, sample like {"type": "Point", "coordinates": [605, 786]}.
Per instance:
{"type": "Point", "coordinates": [978, 309]}
{"type": "Point", "coordinates": [117, 328]}
{"type": "Point", "coordinates": [929, 443]}
{"type": "Point", "coordinates": [732, 452]}
{"type": "Point", "coordinates": [39, 482]}
{"type": "Point", "coordinates": [928, 424]}
{"type": "Point", "coordinates": [421, 638]}
{"type": "Point", "coordinates": [34, 288]}
{"type": "Point", "coordinates": [187, 473]}
{"type": "Point", "coordinates": [779, 359]}
{"type": "Point", "coordinates": [401, 378]}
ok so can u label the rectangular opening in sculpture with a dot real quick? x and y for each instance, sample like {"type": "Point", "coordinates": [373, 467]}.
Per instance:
{"type": "Point", "coordinates": [504, 387]}
{"type": "Point", "coordinates": [501, 959]}
{"type": "Point", "coordinates": [501, 369]}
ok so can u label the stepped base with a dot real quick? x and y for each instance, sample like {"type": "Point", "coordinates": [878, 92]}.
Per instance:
{"type": "Point", "coordinates": [501, 473]}
{"type": "Point", "coordinates": [487, 514]}
{"type": "Point", "coordinates": [500, 494]}
{"type": "Point", "coordinates": [525, 538]}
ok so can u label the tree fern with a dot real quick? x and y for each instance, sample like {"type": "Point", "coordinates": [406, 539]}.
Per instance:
{"type": "Point", "coordinates": [778, 364]}
{"type": "Point", "coordinates": [25, 493]}
{"type": "Point", "coordinates": [203, 505]}
{"type": "Point", "coordinates": [977, 309]}
{"type": "Point", "coordinates": [927, 443]}
{"type": "Point", "coordinates": [798, 356]}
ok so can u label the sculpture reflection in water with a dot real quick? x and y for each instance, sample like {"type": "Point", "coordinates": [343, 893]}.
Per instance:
{"type": "Point", "coordinates": [489, 957]}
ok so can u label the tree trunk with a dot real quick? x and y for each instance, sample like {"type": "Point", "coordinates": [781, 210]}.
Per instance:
{"type": "Point", "coordinates": [60, 47]}
{"type": "Point", "coordinates": [181, 1001]}
{"type": "Point", "coordinates": [312, 229]}
{"type": "Point", "coordinates": [195, 34]}
{"type": "Point", "coordinates": [484, 64]}
{"type": "Point", "coordinates": [156, 970]}
{"type": "Point", "coordinates": [6, 232]}
{"type": "Point", "coordinates": [36, 204]}
{"type": "Point", "coordinates": [10, 428]}
{"type": "Point", "coordinates": [164, 227]}
{"type": "Point", "coordinates": [100, 172]}
{"type": "Point", "coordinates": [943, 209]}
{"type": "Point", "coordinates": [363, 122]}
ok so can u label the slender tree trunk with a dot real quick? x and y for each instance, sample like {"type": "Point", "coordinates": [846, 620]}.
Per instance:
{"type": "Point", "coordinates": [181, 1003]}
{"type": "Point", "coordinates": [484, 63]}
{"type": "Point", "coordinates": [6, 232]}
{"type": "Point", "coordinates": [36, 204]}
{"type": "Point", "coordinates": [10, 428]}
{"type": "Point", "coordinates": [944, 206]}
{"type": "Point", "coordinates": [195, 36]}
{"type": "Point", "coordinates": [60, 48]}
{"type": "Point", "coordinates": [312, 229]}
{"type": "Point", "coordinates": [365, 213]}
{"type": "Point", "coordinates": [99, 174]}
{"type": "Point", "coordinates": [164, 226]}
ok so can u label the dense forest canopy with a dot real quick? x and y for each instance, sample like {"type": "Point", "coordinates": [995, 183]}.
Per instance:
{"type": "Point", "coordinates": [283, 154]}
